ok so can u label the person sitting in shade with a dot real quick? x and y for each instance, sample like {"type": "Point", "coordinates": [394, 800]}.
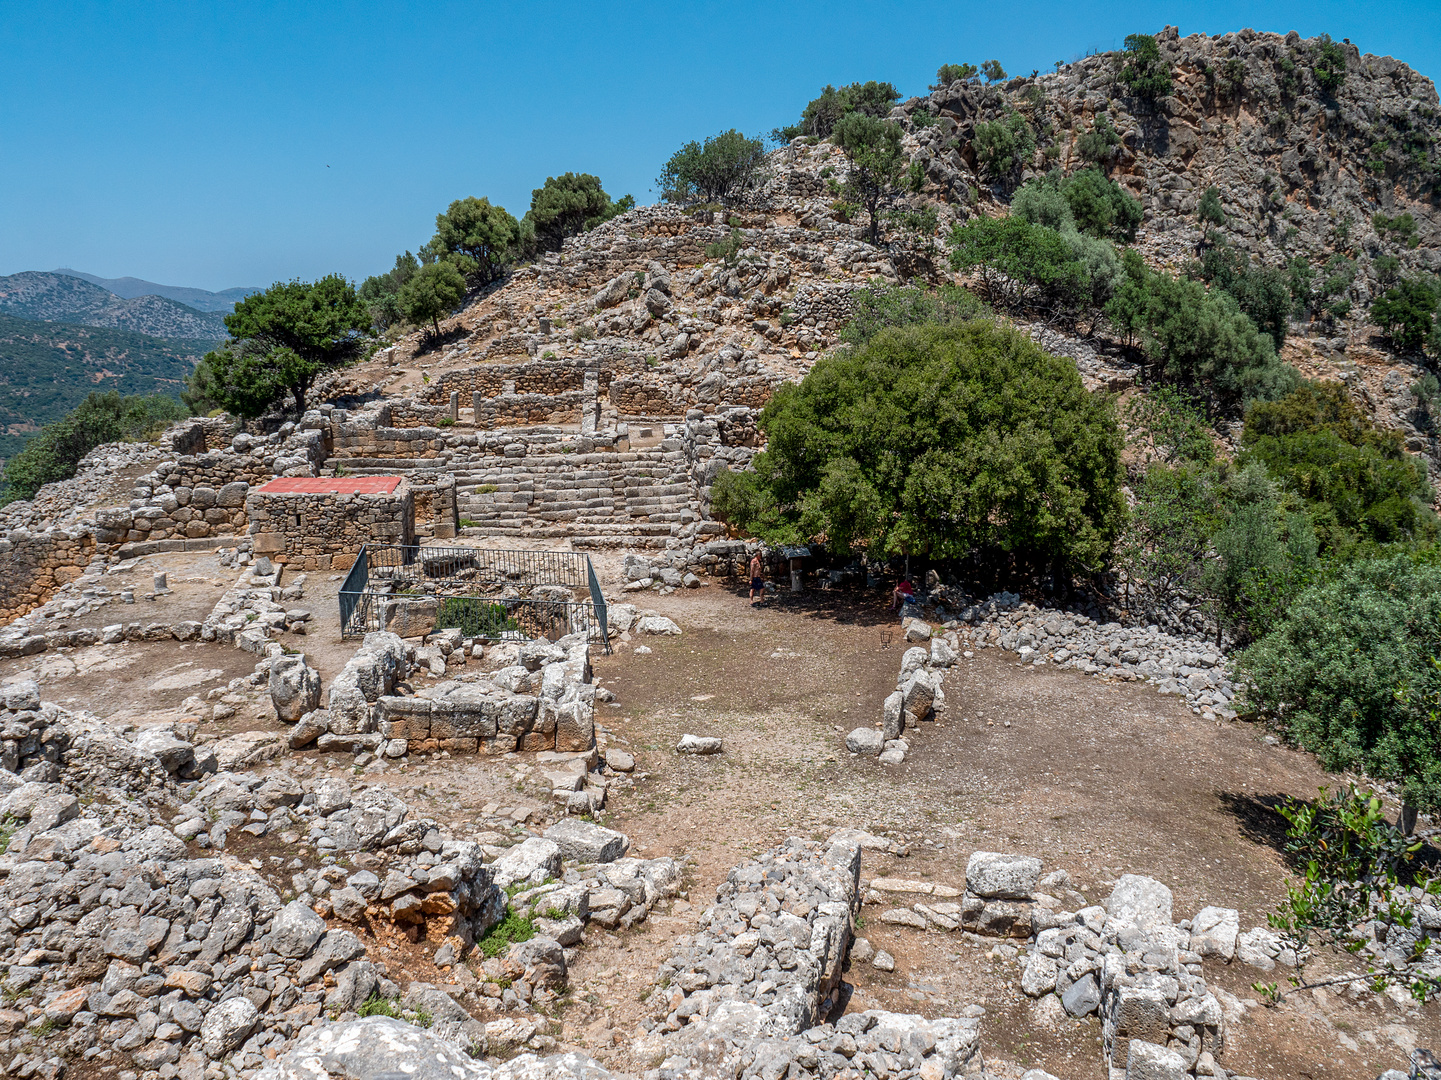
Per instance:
{"type": "Point", "coordinates": [902, 594]}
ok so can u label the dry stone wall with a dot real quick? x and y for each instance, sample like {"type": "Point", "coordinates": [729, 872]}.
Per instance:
{"type": "Point", "coordinates": [34, 565]}
{"type": "Point", "coordinates": [326, 530]}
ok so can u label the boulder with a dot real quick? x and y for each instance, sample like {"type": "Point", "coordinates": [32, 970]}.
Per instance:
{"type": "Point", "coordinates": [1139, 901]}
{"type": "Point", "coordinates": [1214, 931]}
{"type": "Point", "coordinates": [227, 1025]}
{"type": "Point", "coordinates": [866, 741]}
{"type": "Point", "coordinates": [893, 716]}
{"type": "Point", "coordinates": [1147, 1061]}
{"type": "Point", "coordinates": [698, 744]}
{"type": "Point", "coordinates": [994, 876]}
{"type": "Point", "coordinates": [371, 1047]}
{"type": "Point", "coordinates": [619, 760]}
{"type": "Point", "coordinates": [581, 841]}
{"type": "Point", "coordinates": [309, 728]}
{"type": "Point", "coordinates": [294, 687]}
{"type": "Point", "coordinates": [1082, 997]}
{"type": "Point", "coordinates": [175, 754]}
{"type": "Point", "coordinates": [656, 624]}
{"type": "Point", "coordinates": [916, 629]}
{"type": "Point", "coordinates": [532, 861]}
{"type": "Point", "coordinates": [297, 930]}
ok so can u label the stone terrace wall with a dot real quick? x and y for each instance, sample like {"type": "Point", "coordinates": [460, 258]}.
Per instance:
{"type": "Point", "coordinates": [435, 507]}
{"type": "Point", "coordinates": [526, 410]}
{"type": "Point", "coordinates": [184, 512]}
{"type": "Point", "coordinates": [406, 413]}
{"type": "Point", "coordinates": [199, 434]}
{"type": "Point", "coordinates": [325, 531]}
{"type": "Point", "coordinates": [34, 565]}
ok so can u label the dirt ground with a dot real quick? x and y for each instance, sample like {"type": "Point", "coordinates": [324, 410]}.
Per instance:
{"type": "Point", "coordinates": [1096, 777]}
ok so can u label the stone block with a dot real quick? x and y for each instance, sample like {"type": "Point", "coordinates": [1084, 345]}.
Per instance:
{"type": "Point", "coordinates": [994, 876]}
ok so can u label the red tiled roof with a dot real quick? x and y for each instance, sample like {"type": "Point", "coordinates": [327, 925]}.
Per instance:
{"type": "Point", "coordinates": [340, 485]}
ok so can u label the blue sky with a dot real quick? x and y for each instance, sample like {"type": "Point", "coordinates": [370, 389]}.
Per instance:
{"type": "Point", "coordinates": [214, 145]}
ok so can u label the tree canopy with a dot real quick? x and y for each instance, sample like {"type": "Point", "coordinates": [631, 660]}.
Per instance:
{"type": "Point", "coordinates": [432, 291]}
{"type": "Point", "coordinates": [281, 341]}
{"type": "Point", "coordinates": [821, 115]}
{"type": "Point", "coordinates": [1144, 71]}
{"type": "Point", "coordinates": [944, 440]}
{"type": "Point", "coordinates": [874, 149]}
{"type": "Point", "coordinates": [568, 205]}
{"type": "Point", "coordinates": [478, 237]}
{"type": "Point", "coordinates": [722, 169]}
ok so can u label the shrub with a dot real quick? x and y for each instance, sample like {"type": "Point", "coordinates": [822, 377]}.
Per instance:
{"type": "Point", "coordinates": [1144, 71]}
{"type": "Point", "coordinates": [1021, 265]}
{"type": "Point", "coordinates": [723, 169]}
{"type": "Point", "coordinates": [953, 73]}
{"type": "Point", "coordinates": [1003, 145]}
{"type": "Point", "coordinates": [1328, 674]}
{"type": "Point", "coordinates": [821, 115]}
{"type": "Point", "coordinates": [1087, 201]}
{"type": "Point", "coordinates": [479, 238]}
{"type": "Point", "coordinates": [1401, 228]}
{"type": "Point", "coordinates": [874, 149]}
{"type": "Point", "coordinates": [1358, 483]}
{"type": "Point", "coordinates": [1407, 312]}
{"type": "Point", "coordinates": [1163, 547]}
{"type": "Point", "coordinates": [880, 306]}
{"type": "Point", "coordinates": [1329, 65]}
{"type": "Point", "coordinates": [568, 205]}
{"type": "Point", "coordinates": [1099, 145]}
{"type": "Point", "coordinates": [380, 292]}
{"type": "Point", "coordinates": [1173, 424]}
{"type": "Point", "coordinates": [431, 292]}
{"type": "Point", "coordinates": [949, 441]}
{"type": "Point", "coordinates": [993, 71]}
{"type": "Point", "coordinates": [511, 930]}
{"type": "Point", "coordinates": [55, 452]}
{"type": "Point", "coordinates": [474, 617]}
{"type": "Point", "coordinates": [1209, 208]}
{"type": "Point", "coordinates": [1264, 294]}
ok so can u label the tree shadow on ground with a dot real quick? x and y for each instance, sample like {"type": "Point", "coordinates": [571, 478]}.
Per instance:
{"type": "Point", "coordinates": [846, 605]}
{"type": "Point", "coordinates": [431, 342]}
{"type": "Point", "coordinates": [1257, 817]}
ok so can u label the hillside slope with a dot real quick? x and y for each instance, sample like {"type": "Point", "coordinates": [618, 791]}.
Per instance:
{"type": "Point", "coordinates": [59, 297]}
{"type": "Point", "coordinates": [222, 302]}
{"type": "Point", "coordinates": [1301, 172]}
{"type": "Point", "coordinates": [47, 368]}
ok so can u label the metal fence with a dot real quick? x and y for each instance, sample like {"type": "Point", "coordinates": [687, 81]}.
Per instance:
{"type": "Point", "coordinates": [485, 593]}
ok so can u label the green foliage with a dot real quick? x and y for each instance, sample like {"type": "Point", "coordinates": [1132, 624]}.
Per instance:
{"type": "Point", "coordinates": [478, 237]}
{"type": "Point", "coordinates": [1003, 145]}
{"type": "Point", "coordinates": [874, 149]}
{"type": "Point", "coordinates": [1197, 338]}
{"type": "Point", "coordinates": [1387, 267]}
{"type": "Point", "coordinates": [432, 291]}
{"type": "Point", "coordinates": [57, 450]}
{"type": "Point", "coordinates": [1144, 71]}
{"type": "Point", "coordinates": [1021, 265]}
{"type": "Point", "coordinates": [952, 441]}
{"type": "Point", "coordinates": [1358, 482]}
{"type": "Point", "coordinates": [1209, 208]}
{"type": "Point", "coordinates": [511, 930]}
{"type": "Point", "coordinates": [1401, 228]}
{"type": "Point", "coordinates": [282, 340]}
{"type": "Point", "coordinates": [1173, 424]}
{"type": "Point", "coordinates": [1162, 550]}
{"type": "Point", "coordinates": [953, 73]}
{"type": "Point", "coordinates": [1099, 145]}
{"type": "Point", "coordinates": [993, 71]}
{"type": "Point", "coordinates": [375, 1005]}
{"type": "Point", "coordinates": [820, 117]}
{"type": "Point", "coordinates": [880, 306]}
{"type": "Point", "coordinates": [1329, 65]}
{"type": "Point", "coordinates": [1357, 870]}
{"type": "Point", "coordinates": [1263, 293]}
{"type": "Point", "coordinates": [380, 292]}
{"type": "Point", "coordinates": [1231, 77]}
{"type": "Point", "coordinates": [49, 367]}
{"type": "Point", "coordinates": [1407, 311]}
{"type": "Point", "coordinates": [1327, 675]}
{"type": "Point", "coordinates": [474, 617]}
{"type": "Point", "coordinates": [721, 170]}
{"type": "Point", "coordinates": [727, 250]}
{"type": "Point", "coordinates": [568, 205]}
{"type": "Point", "coordinates": [1087, 201]}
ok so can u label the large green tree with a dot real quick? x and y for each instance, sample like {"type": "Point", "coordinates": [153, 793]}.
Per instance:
{"type": "Point", "coordinates": [282, 340]}
{"type": "Point", "coordinates": [877, 160]}
{"type": "Point", "coordinates": [949, 441]}
{"type": "Point", "coordinates": [480, 238]}
{"type": "Point", "coordinates": [821, 115]}
{"type": "Point", "coordinates": [568, 205]}
{"type": "Point", "coordinates": [431, 292]}
{"type": "Point", "coordinates": [722, 169]}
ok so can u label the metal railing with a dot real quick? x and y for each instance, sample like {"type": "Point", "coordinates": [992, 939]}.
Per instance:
{"type": "Point", "coordinates": [475, 590]}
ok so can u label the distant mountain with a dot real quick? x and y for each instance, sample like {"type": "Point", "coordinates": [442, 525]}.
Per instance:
{"type": "Point", "coordinates": [47, 368]}
{"type": "Point", "coordinates": [60, 297]}
{"type": "Point", "coordinates": [200, 299]}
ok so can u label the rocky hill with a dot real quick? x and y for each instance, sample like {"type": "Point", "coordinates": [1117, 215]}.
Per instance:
{"type": "Point", "coordinates": [57, 297]}
{"type": "Point", "coordinates": [1301, 171]}
{"type": "Point", "coordinates": [200, 299]}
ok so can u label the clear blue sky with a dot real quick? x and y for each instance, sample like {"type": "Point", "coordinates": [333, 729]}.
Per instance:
{"type": "Point", "coordinates": [215, 145]}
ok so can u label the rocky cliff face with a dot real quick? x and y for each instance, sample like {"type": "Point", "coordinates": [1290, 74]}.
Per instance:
{"type": "Point", "coordinates": [1300, 172]}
